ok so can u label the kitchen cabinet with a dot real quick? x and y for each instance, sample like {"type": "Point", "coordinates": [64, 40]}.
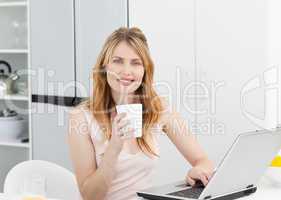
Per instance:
{"type": "Point", "coordinates": [49, 130]}
{"type": "Point", "coordinates": [52, 47]}
{"type": "Point", "coordinates": [14, 50]}
{"type": "Point", "coordinates": [64, 48]}
{"type": "Point", "coordinates": [52, 40]}
{"type": "Point", "coordinates": [94, 21]}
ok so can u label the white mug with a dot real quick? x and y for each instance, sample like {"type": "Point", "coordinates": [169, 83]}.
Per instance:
{"type": "Point", "coordinates": [134, 115]}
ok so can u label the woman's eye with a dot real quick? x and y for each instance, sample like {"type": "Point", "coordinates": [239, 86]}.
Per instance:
{"type": "Point", "coordinates": [137, 63]}
{"type": "Point", "coordinates": [117, 61]}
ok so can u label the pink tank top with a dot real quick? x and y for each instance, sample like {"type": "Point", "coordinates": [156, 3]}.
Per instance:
{"type": "Point", "coordinates": [134, 171]}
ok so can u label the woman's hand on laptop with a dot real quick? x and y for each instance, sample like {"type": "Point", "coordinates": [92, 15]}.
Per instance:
{"type": "Point", "coordinates": [201, 172]}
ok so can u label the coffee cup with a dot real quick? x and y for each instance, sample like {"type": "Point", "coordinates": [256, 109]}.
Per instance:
{"type": "Point", "coordinates": [134, 115]}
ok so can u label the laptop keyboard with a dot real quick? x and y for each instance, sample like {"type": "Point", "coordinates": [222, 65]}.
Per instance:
{"type": "Point", "coordinates": [193, 192]}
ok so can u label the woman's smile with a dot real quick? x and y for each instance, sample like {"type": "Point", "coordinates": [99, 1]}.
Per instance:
{"type": "Point", "coordinates": [125, 82]}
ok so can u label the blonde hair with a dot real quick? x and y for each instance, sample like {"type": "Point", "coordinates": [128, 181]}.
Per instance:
{"type": "Point", "coordinates": [101, 98]}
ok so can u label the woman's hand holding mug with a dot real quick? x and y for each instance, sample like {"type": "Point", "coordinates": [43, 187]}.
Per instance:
{"type": "Point", "coordinates": [120, 132]}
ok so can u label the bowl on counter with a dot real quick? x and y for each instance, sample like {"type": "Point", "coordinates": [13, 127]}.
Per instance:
{"type": "Point", "coordinates": [12, 127]}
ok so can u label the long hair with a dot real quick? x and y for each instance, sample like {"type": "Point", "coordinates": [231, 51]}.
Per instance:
{"type": "Point", "coordinates": [101, 101]}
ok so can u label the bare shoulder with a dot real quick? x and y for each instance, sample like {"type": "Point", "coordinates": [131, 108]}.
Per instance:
{"type": "Point", "coordinates": [78, 111]}
{"type": "Point", "coordinates": [78, 107]}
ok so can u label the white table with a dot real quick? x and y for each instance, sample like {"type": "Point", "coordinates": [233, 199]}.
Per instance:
{"type": "Point", "coordinates": [267, 189]}
{"type": "Point", "coordinates": [5, 197]}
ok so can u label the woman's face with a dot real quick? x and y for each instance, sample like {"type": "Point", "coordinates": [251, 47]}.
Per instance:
{"type": "Point", "coordinates": [125, 69]}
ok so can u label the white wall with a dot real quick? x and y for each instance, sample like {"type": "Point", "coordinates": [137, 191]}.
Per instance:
{"type": "Point", "coordinates": [229, 47]}
{"type": "Point", "coordinates": [231, 43]}
{"type": "Point", "coordinates": [169, 30]}
{"type": "Point", "coordinates": [274, 49]}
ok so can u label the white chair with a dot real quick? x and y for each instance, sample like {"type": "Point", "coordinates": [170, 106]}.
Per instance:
{"type": "Point", "coordinates": [37, 176]}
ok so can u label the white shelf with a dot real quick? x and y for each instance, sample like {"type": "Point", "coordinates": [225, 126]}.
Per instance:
{"type": "Point", "coordinates": [15, 143]}
{"type": "Point", "coordinates": [13, 4]}
{"type": "Point", "coordinates": [17, 97]}
{"type": "Point", "coordinates": [15, 51]}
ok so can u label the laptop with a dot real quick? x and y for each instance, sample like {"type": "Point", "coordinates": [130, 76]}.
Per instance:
{"type": "Point", "coordinates": [237, 174]}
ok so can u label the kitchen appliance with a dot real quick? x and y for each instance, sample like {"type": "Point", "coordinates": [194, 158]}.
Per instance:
{"type": "Point", "coordinates": [7, 79]}
{"type": "Point", "coordinates": [12, 125]}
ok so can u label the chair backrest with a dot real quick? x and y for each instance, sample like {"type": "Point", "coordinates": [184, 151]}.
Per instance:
{"type": "Point", "coordinates": [37, 176]}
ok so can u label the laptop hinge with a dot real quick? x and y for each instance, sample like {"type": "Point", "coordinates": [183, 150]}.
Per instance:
{"type": "Point", "coordinates": [208, 197]}
{"type": "Point", "coordinates": [250, 186]}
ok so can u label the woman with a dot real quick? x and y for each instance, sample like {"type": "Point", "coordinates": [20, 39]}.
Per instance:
{"type": "Point", "coordinates": [108, 163]}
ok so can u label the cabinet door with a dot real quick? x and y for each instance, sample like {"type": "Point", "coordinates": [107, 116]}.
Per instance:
{"type": "Point", "coordinates": [95, 21]}
{"type": "Point", "coordinates": [169, 28]}
{"type": "Point", "coordinates": [52, 47]}
{"type": "Point", "coordinates": [231, 52]}
{"type": "Point", "coordinates": [10, 157]}
{"type": "Point", "coordinates": [49, 134]}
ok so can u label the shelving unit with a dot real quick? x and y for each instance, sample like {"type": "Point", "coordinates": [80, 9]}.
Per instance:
{"type": "Point", "coordinates": [16, 143]}
{"type": "Point", "coordinates": [13, 4]}
{"type": "Point", "coordinates": [14, 49]}
{"type": "Point", "coordinates": [16, 97]}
